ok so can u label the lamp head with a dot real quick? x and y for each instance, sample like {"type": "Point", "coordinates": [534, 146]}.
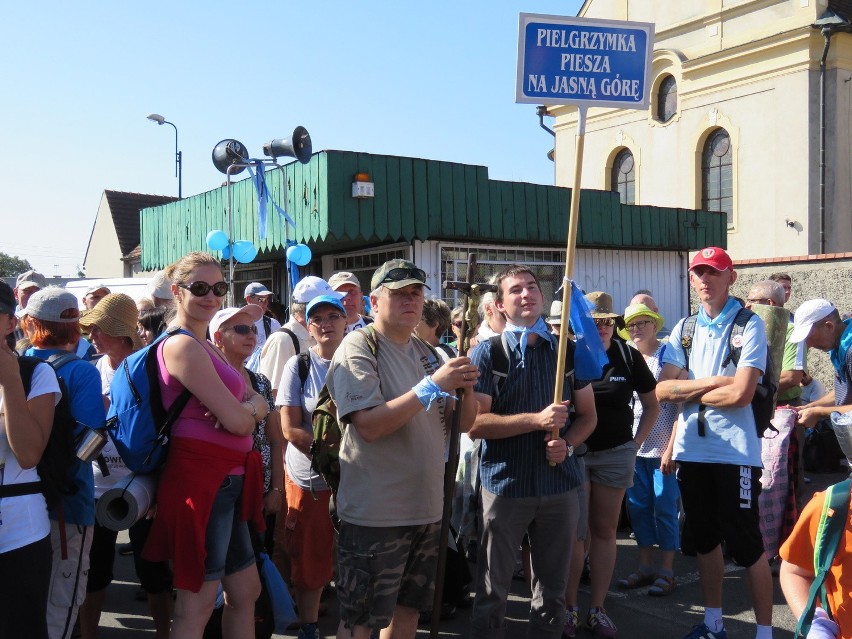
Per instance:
{"type": "Point", "coordinates": [156, 117]}
{"type": "Point", "coordinates": [228, 152]}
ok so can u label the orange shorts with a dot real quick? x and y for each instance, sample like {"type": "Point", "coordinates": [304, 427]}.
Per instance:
{"type": "Point", "coordinates": [308, 536]}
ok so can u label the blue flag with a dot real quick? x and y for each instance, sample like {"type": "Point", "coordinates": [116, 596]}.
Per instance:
{"type": "Point", "coordinates": [589, 354]}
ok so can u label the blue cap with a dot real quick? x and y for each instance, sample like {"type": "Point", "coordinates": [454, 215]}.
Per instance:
{"type": "Point", "coordinates": [319, 300]}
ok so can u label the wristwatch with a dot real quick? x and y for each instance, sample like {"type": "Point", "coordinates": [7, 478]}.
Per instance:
{"type": "Point", "coordinates": [570, 449]}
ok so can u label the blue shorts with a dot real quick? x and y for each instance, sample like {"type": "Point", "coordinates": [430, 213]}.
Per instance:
{"type": "Point", "coordinates": [228, 542]}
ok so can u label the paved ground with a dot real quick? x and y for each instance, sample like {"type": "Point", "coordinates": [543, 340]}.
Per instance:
{"type": "Point", "coordinates": [637, 615]}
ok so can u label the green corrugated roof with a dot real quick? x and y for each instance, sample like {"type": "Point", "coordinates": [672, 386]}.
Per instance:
{"type": "Point", "coordinates": [416, 199]}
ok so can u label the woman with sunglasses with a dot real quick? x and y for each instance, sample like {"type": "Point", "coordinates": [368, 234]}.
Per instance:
{"type": "Point", "coordinates": [212, 480]}
{"type": "Point", "coordinates": [308, 536]}
{"type": "Point", "coordinates": [609, 463]}
{"type": "Point", "coordinates": [652, 501]}
{"type": "Point", "coordinates": [234, 332]}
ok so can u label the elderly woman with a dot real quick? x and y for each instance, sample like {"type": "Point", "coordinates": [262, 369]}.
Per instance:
{"type": "Point", "coordinates": [609, 463]}
{"type": "Point", "coordinates": [26, 419]}
{"type": "Point", "coordinates": [212, 481]}
{"type": "Point", "coordinates": [51, 320]}
{"type": "Point", "coordinates": [652, 501]}
{"type": "Point", "coordinates": [309, 538]}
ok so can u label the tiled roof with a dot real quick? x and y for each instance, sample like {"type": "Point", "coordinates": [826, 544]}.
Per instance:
{"type": "Point", "coordinates": [125, 209]}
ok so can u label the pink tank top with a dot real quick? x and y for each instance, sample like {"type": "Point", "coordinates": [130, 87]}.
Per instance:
{"type": "Point", "coordinates": [192, 422]}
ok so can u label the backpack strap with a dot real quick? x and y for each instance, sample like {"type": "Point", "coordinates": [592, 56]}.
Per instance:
{"type": "Point", "coordinates": [293, 337]}
{"type": "Point", "coordinates": [499, 364]}
{"type": "Point", "coordinates": [304, 361]}
{"type": "Point", "coordinates": [267, 325]}
{"type": "Point", "coordinates": [59, 360]}
{"type": "Point", "coordinates": [737, 328]}
{"type": "Point", "coordinates": [832, 524]}
{"type": "Point", "coordinates": [687, 333]}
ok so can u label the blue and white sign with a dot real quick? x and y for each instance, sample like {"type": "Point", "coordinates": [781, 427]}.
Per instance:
{"type": "Point", "coordinates": [584, 62]}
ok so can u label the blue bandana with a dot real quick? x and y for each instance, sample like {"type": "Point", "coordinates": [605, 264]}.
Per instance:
{"type": "Point", "coordinates": [838, 355]}
{"type": "Point", "coordinates": [513, 340]}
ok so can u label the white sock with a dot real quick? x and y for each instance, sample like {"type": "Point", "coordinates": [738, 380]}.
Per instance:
{"type": "Point", "coordinates": [713, 619]}
{"type": "Point", "coordinates": [763, 632]}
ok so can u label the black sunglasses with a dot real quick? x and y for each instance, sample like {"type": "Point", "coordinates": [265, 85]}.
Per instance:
{"type": "Point", "coordinates": [404, 273]}
{"type": "Point", "coordinates": [200, 289]}
{"type": "Point", "coordinates": [242, 329]}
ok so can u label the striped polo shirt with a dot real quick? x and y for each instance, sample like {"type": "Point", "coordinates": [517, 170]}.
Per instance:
{"type": "Point", "coordinates": [517, 466]}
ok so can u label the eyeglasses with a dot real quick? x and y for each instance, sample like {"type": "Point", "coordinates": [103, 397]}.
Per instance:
{"type": "Point", "coordinates": [638, 325]}
{"type": "Point", "coordinates": [200, 289]}
{"type": "Point", "coordinates": [604, 321]}
{"type": "Point", "coordinates": [328, 319]}
{"type": "Point", "coordinates": [241, 329]}
{"type": "Point", "coordinates": [404, 273]}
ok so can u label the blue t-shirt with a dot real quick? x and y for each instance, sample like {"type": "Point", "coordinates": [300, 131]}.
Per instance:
{"type": "Point", "coordinates": [87, 406]}
{"type": "Point", "coordinates": [730, 434]}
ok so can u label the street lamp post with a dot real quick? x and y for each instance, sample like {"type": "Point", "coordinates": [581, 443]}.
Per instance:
{"type": "Point", "coordinates": [159, 119]}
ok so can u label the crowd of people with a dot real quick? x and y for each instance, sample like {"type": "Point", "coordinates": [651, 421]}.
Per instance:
{"type": "Point", "coordinates": [667, 428]}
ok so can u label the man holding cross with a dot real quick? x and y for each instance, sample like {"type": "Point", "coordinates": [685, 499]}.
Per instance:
{"type": "Point", "coordinates": [393, 393]}
{"type": "Point", "coordinates": [529, 479]}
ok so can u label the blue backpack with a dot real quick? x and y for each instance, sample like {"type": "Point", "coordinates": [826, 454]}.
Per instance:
{"type": "Point", "coordinates": [137, 422]}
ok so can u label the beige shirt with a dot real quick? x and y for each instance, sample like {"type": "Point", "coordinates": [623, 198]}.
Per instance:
{"type": "Point", "coordinates": [398, 479]}
{"type": "Point", "coordinates": [279, 348]}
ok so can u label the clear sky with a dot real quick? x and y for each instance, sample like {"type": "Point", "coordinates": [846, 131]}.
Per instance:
{"type": "Point", "coordinates": [435, 81]}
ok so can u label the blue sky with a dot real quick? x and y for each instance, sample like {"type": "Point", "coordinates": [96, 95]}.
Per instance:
{"type": "Point", "coordinates": [382, 77]}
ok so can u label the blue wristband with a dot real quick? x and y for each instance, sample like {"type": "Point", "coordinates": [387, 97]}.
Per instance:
{"type": "Point", "coordinates": [428, 391]}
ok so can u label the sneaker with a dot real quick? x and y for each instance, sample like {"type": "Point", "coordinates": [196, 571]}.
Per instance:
{"type": "Point", "coordinates": [600, 624]}
{"type": "Point", "coordinates": [572, 622]}
{"type": "Point", "coordinates": [701, 631]}
{"type": "Point", "coordinates": [308, 631]}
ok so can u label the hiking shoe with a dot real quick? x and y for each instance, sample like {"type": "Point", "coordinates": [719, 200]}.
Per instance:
{"type": "Point", "coordinates": [600, 624]}
{"type": "Point", "coordinates": [308, 631]}
{"type": "Point", "coordinates": [701, 631]}
{"type": "Point", "coordinates": [572, 622]}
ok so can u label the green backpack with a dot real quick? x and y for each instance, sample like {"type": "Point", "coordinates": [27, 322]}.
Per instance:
{"type": "Point", "coordinates": [832, 524]}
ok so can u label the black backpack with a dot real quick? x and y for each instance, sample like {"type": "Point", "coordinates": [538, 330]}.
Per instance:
{"type": "Point", "coordinates": [500, 365]}
{"type": "Point", "coordinates": [59, 461]}
{"type": "Point", "coordinates": [763, 402]}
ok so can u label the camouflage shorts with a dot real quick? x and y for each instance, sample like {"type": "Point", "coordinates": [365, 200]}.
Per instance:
{"type": "Point", "coordinates": [380, 568]}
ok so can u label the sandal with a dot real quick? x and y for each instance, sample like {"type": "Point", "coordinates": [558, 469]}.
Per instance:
{"type": "Point", "coordinates": [662, 586]}
{"type": "Point", "coordinates": [635, 580]}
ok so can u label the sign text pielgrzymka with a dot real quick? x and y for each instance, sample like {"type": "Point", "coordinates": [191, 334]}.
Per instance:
{"type": "Point", "coordinates": [604, 63]}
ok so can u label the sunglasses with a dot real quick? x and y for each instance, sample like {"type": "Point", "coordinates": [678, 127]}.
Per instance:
{"type": "Point", "coordinates": [242, 329]}
{"type": "Point", "coordinates": [404, 273]}
{"type": "Point", "coordinates": [328, 319]}
{"type": "Point", "coordinates": [639, 325]}
{"type": "Point", "coordinates": [604, 321]}
{"type": "Point", "coordinates": [200, 289]}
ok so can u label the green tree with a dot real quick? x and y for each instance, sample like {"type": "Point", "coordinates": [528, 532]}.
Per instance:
{"type": "Point", "coordinates": [10, 265]}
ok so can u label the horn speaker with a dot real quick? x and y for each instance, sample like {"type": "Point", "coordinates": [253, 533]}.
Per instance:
{"type": "Point", "coordinates": [228, 152]}
{"type": "Point", "coordinates": [296, 146]}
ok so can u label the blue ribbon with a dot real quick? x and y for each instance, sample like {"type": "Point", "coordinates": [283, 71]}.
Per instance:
{"type": "Point", "coordinates": [263, 197]}
{"type": "Point", "coordinates": [428, 391]}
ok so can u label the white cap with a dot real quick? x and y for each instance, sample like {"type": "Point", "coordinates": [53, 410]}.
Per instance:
{"type": "Point", "coordinates": [311, 286]}
{"type": "Point", "coordinates": [253, 311]}
{"type": "Point", "coordinates": [160, 286]}
{"type": "Point", "coordinates": [809, 314]}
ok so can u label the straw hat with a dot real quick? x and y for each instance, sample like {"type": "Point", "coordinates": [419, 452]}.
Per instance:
{"type": "Point", "coordinates": [637, 310]}
{"type": "Point", "coordinates": [117, 316]}
{"type": "Point", "coordinates": [601, 304]}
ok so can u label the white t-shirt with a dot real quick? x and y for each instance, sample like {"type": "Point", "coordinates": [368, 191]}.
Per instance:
{"type": "Point", "coordinates": [115, 464]}
{"type": "Point", "coordinates": [279, 349]}
{"type": "Point", "coordinates": [23, 520]}
{"type": "Point", "coordinates": [354, 326]}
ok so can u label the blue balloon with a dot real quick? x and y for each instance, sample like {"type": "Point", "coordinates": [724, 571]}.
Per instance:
{"type": "Point", "coordinates": [217, 240]}
{"type": "Point", "coordinates": [244, 251]}
{"type": "Point", "coordinates": [301, 255]}
{"type": "Point", "coordinates": [226, 252]}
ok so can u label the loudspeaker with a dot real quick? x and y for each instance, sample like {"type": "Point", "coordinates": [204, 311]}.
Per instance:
{"type": "Point", "coordinates": [228, 152]}
{"type": "Point", "coordinates": [296, 146]}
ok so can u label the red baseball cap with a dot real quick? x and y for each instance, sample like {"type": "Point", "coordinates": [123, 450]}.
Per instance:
{"type": "Point", "coordinates": [714, 257]}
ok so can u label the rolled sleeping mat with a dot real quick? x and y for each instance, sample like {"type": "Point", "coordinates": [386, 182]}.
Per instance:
{"type": "Point", "coordinates": [127, 502]}
{"type": "Point", "coordinates": [775, 319]}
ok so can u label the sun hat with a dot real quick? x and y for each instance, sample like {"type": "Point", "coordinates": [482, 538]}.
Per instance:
{"type": "Point", "coordinates": [31, 278]}
{"type": "Point", "coordinates": [319, 300]}
{"type": "Point", "coordinates": [343, 277]}
{"type": "Point", "coordinates": [7, 299]}
{"type": "Point", "coordinates": [714, 257]}
{"type": "Point", "coordinates": [311, 286]}
{"type": "Point", "coordinates": [601, 304]}
{"type": "Point", "coordinates": [257, 289]}
{"type": "Point", "coordinates": [409, 273]}
{"type": "Point", "coordinates": [160, 286]}
{"type": "Point", "coordinates": [116, 315]}
{"type": "Point", "coordinates": [808, 314]}
{"type": "Point", "coordinates": [555, 316]}
{"type": "Point", "coordinates": [636, 310]}
{"type": "Point", "coordinates": [253, 311]}
{"type": "Point", "coordinates": [95, 288]}
{"type": "Point", "coordinates": [50, 303]}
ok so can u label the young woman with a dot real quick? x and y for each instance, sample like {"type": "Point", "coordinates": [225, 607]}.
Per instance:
{"type": "Point", "coordinates": [212, 480]}
{"type": "Point", "coordinates": [653, 498]}
{"type": "Point", "coordinates": [25, 423]}
{"type": "Point", "coordinates": [309, 538]}
{"type": "Point", "coordinates": [609, 464]}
